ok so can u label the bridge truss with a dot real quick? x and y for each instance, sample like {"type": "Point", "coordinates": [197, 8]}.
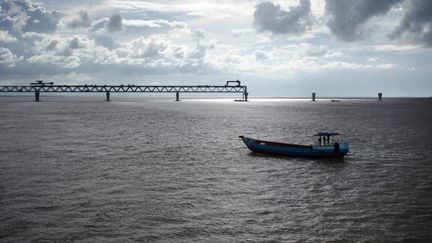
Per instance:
{"type": "Point", "coordinates": [125, 88]}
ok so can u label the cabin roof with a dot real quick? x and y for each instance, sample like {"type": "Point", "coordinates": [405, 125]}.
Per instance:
{"type": "Point", "coordinates": [326, 134]}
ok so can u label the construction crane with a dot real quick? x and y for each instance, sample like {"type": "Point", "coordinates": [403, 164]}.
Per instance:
{"type": "Point", "coordinates": [41, 83]}
{"type": "Point", "coordinates": [237, 82]}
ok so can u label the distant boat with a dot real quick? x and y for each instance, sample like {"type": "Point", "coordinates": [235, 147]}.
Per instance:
{"type": "Point", "coordinates": [334, 100]}
{"type": "Point", "coordinates": [326, 146]}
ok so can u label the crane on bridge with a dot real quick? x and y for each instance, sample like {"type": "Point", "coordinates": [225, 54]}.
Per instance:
{"type": "Point", "coordinates": [236, 81]}
{"type": "Point", "coordinates": [41, 83]}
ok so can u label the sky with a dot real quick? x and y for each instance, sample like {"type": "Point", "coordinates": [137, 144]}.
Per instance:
{"type": "Point", "coordinates": [276, 48]}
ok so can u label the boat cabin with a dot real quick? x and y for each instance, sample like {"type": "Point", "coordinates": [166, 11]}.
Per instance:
{"type": "Point", "coordinates": [326, 138]}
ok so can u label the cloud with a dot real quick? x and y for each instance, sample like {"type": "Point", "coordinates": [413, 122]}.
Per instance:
{"type": "Point", "coordinates": [67, 52]}
{"type": "Point", "coordinates": [77, 43]}
{"type": "Point", "coordinates": [313, 51]}
{"type": "Point", "coordinates": [270, 17]}
{"type": "Point", "coordinates": [12, 16]}
{"type": "Point", "coordinates": [199, 35]}
{"type": "Point", "coordinates": [6, 37]}
{"type": "Point", "coordinates": [201, 48]}
{"type": "Point", "coordinates": [346, 18]}
{"type": "Point", "coordinates": [135, 27]}
{"type": "Point", "coordinates": [260, 55]}
{"type": "Point", "coordinates": [23, 23]}
{"type": "Point", "coordinates": [23, 16]}
{"type": "Point", "coordinates": [151, 48]}
{"type": "Point", "coordinates": [106, 41]}
{"type": "Point", "coordinates": [7, 58]}
{"type": "Point", "coordinates": [356, 66]}
{"type": "Point", "coordinates": [199, 51]}
{"type": "Point", "coordinates": [67, 62]}
{"type": "Point", "coordinates": [18, 17]}
{"type": "Point", "coordinates": [41, 20]}
{"type": "Point", "coordinates": [156, 23]}
{"type": "Point", "coordinates": [416, 23]}
{"type": "Point", "coordinates": [82, 21]}
{"type": "Point", "coordinates": [115, 23]}
{"type": "Point", "coordinates": [98, 26]}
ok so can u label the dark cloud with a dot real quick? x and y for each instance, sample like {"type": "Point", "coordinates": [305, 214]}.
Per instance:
{"type": "Point", "coordinates": [22, 16]}
{"type": "Point", "coordinates": [115, 23]}
{"type": "Point", "coordinates": [416, 22]}
{"type": "Point", "coordinates": [270, 17]}
{"type": "Point", "coordinates": [83, 20]}
{"type": "Point", "coordinates": [346, 18]}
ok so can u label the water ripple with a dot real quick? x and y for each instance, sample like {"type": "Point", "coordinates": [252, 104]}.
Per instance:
{"type": "Point", "coordinates": [164, 171]}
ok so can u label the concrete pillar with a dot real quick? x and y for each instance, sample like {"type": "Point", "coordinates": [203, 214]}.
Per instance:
{"type": "Point", "coordinates": [37, 95]}
{"type": "Point", "coordinates": [246, 95]}
{"type": "Point", "coordinates": [177, 96]}
{"type": "Point", "coordinates": [313, 96]}
{"type": "Point", "coordinates": [107, 96]}
{"type": "Point", "coordinates": [379, 96]}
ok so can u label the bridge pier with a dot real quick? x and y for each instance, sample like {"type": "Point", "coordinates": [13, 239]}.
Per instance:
{"type": "Point", "coordinates": [313, 96]}
{"type": "Point", "coordinates": [177, 96]}
{"type": "Point", "coordinates": [379, 96]}
{"type": "Point", "coordinates": [37, 95]}
{"type": "Point", "coordinates": [245, 96]}
{"type": "Point", "coordinates": [107, 96]}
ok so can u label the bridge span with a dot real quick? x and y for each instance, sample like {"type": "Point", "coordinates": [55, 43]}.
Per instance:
{"type": "Point", "coordinates": [39, 87]}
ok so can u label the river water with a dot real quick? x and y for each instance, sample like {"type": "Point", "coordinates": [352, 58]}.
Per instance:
{"type": "Point", "coordinates": [144, 170]}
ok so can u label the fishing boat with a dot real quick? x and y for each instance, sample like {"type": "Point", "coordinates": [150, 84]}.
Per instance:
{"type": "Point", "coordinates": [326, 145]}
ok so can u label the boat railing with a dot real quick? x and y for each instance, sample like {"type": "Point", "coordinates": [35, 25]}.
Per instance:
{"type": "Point", "coordinates": [332, 141]}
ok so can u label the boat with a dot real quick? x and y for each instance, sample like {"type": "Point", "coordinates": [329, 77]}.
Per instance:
{"type": "Point", "coordinates": [334, 100]}
{"type": "Point", "coordinates": [328, 145]}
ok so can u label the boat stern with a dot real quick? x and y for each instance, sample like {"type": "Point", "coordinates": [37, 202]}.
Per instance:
{"type": "Point", "coordinates": [336, 150]}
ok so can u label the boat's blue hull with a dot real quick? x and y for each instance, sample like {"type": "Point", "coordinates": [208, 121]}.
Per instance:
{"type": "Point", "coordinates": [282, 149]}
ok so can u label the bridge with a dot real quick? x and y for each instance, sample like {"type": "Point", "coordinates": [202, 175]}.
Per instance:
{"type": "Point", "coordinates": [39, 87]}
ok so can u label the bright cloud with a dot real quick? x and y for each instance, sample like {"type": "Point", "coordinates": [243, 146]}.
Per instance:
{"type": "Point", "coordinates": [6, 37]}
{"type": "Point", "coordinates": [7, 58]}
